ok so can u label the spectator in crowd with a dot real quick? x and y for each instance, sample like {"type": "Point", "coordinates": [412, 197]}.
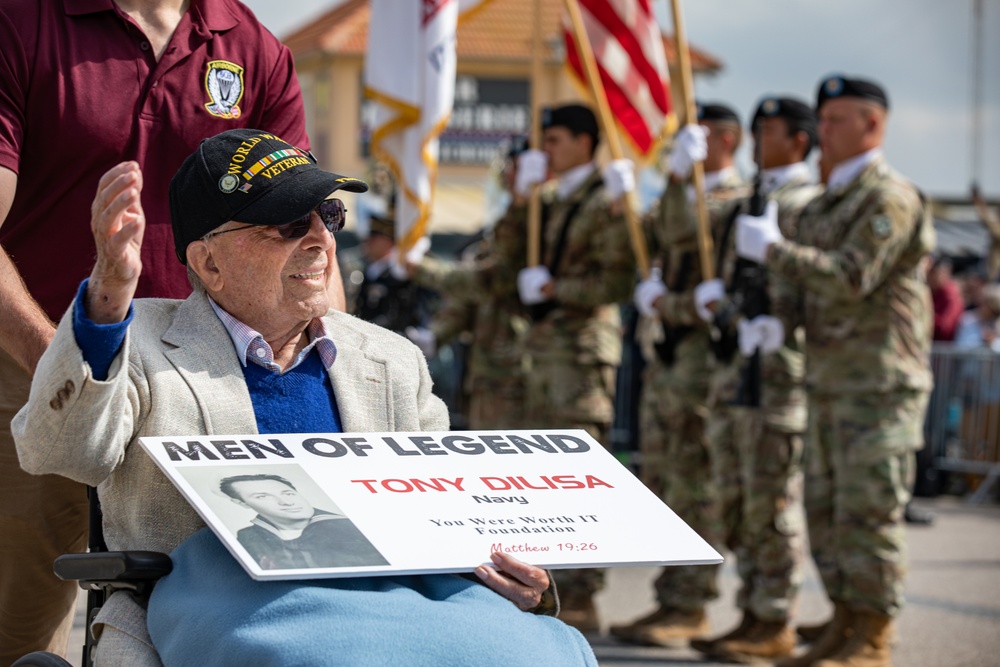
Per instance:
{"type": "Point", "coordinates": [978, 327]}
{"type": "Point", "coordinates": [947, 298]}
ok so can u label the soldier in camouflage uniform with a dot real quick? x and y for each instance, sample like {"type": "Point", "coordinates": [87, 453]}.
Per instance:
{"type": "Point", "coordinates": [757, 409]}
{"type": "Point", "coordinates": [382, 296]}
{"type": "Point", "coordinates": [482, 302]}
{"type": "Point", "coordinates": [574, 341]}
{"type": "Point", "coordinates": [675, 459]}
{"type": "Point", "coordinates": [855, 273]}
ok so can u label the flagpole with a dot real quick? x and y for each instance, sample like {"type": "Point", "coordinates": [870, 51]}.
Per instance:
{"type": "Point", "coordinates": [610, 129]}
{"type": "Point", "coordinates": [535, 199]}
{"type": "Point", "coordinates": [705, 249]}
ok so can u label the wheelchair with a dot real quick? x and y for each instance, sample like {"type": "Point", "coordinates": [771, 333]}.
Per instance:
{"type": "Point", "coordinates": [101, 572]}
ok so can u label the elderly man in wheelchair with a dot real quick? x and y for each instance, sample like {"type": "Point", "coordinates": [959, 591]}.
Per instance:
{"type": "Point", "coordinates": [255, 349]}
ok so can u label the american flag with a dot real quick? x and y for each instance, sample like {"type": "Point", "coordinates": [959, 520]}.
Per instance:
{"type": "Point", "coordinates": [628, 48]}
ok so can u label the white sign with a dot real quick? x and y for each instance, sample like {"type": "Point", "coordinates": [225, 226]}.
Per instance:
{"type": "Point", "coordinates": [330, 505]}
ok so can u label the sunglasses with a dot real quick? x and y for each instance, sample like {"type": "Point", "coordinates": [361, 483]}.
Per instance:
{"type": "Point", "coordinates": [331, 211]}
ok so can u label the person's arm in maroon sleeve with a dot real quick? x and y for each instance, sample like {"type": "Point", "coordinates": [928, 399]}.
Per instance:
{"type": "Point", "coordinates": [25, 329]}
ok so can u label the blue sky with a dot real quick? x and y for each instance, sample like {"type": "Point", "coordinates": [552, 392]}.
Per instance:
{"type": "Point", "coordinates": [918, 49]}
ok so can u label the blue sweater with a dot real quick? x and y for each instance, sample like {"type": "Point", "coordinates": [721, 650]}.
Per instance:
{"type": "Point", "coordinates": [298, 401]}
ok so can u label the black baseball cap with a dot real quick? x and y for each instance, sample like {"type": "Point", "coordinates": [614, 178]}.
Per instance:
{"type": "Point", "coordinates": [838, 85]}
{"type": "Point", "coordinates": [247, 175]}
{"type": "Point", "coordinates": [577, 118]}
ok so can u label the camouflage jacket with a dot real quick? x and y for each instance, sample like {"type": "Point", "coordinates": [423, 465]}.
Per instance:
{"type": "Point", "coordinates": [481, 306]}
{"type": "Point", "coordinates": [782, 391]}
{"type": "Point", "coordinates": [672, 236]}
{"type": "Point", "coordinates": [595, 273]}
{"type": "Point", "coordinates": [853, 277]}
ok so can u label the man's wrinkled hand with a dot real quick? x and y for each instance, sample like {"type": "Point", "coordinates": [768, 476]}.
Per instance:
{"type": "Point", "coordinates": [118, 223]}
{"type": "Point", "coordinates": [521, 583]}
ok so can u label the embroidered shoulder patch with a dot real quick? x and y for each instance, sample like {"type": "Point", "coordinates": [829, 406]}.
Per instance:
{"type": "Point", "coordinates": [224, 85]}
{"type": "Point", "coordinates": [881, 226]}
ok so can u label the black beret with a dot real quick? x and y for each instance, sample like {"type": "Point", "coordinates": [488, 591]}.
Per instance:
{"type": "Point", "coordinates": [840, 86]}
{"type": "Point", "coordinates": [575, 117]}
{"type": "Point", "coordinates": [784, 107]}
{"type": "Point", "coordinates": [384, 223]}
{"type": "Point", "coordinates": [719, 112]}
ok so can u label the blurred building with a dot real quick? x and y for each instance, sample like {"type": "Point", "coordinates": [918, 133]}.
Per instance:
{"type": "Point", "coordinates": [492, 93]}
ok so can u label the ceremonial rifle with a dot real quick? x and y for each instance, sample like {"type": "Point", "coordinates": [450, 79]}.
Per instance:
{"type": "Point", "coordinates": [749, 299]}
{"type": "Point", "coordinates": [750, 287]}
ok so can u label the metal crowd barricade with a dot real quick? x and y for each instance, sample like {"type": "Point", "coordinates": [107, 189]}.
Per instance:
{"type": "Point", "coordinates": [963, 419]}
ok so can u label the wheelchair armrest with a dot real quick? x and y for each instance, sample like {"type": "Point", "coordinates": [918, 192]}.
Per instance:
{"type": "Point", "coordinates": [113, 566]}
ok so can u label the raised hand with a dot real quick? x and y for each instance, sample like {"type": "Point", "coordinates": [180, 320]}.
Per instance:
{"type": "Point", "coordinates": [118, 223]}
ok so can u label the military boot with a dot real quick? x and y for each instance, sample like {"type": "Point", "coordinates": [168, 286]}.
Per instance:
{"type": "Point", "coordinates": [627, 631]}
{"type": "Point", "coordinates": [868, 646]}
{"type": "Point", "coordinates": [708, 646]}
{"type": "Point", "coordinates": [577, 609]}
{"type": "Point", "coordinates": [836, 635]}
{"type": "Point", "coordinates": [765, 642]}
{"type": "Point", "coordinates": [810, 633]}
{"type": "Point", "coordinates": [675, 630]}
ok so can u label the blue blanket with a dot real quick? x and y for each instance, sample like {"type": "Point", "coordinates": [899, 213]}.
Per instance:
{"type": "Point", "coordinates": [208, 611]}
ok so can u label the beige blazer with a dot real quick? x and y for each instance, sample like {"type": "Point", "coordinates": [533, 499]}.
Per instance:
{"type": "Point", "coordinates": [178, 374]}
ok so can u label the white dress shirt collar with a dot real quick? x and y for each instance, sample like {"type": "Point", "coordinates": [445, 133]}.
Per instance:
{"type": "Point", "coordinates": [573, 178]}
{"type": "Point", "coordinates": [848, 170]}
{"type": "Point", "coordinates": [773, 178]}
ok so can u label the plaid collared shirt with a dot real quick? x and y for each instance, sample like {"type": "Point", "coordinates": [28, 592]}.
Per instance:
{"type": "Point", "coordinates": [250, 345]}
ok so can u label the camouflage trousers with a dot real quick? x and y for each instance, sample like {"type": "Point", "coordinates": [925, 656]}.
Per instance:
{"type": "Point", "coordinates": [676, 465]}
{"type": "Point", "coordinates": [496, 403]}
{"type": "Point", "coordinates": [758, 474]}
{"type": "Point", "coordinates": [859, 472]}
{"type": "Point", "coordinates": [563, 394]}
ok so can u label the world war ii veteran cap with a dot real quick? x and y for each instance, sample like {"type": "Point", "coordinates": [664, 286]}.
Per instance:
{"type": "Point", "coordinates": [577, 118]}
{"type": "Point", "coordinates": [837, 85]}
{"type": "Point", "coordinates": [713, 111]}
{"type": "Point", "coordinates": [250, 176]}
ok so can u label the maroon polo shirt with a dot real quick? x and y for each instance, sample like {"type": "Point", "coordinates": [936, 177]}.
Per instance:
{"type": "Point", "coordinates": [80, 91]}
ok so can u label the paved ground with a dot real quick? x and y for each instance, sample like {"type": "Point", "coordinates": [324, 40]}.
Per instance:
{"type": "Point", "coordinates": [952, 618]}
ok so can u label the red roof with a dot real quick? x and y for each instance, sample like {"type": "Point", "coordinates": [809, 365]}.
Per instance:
{"type": "Point", "coordinates": [497, 31]}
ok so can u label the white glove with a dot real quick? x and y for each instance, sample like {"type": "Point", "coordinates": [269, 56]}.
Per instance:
{"type": "Point", "coordinates": [707, 293]}
{"type": "Point", "coordinates": [647, 292]}
{"type": "Point", "coordinates": [764, 332]}
{"type": "Point", "coordinates": [530, 282]}
{"type": "Point", "coordinates": [424, 339]}
{"type": "Point", "coordinates": [413, 256]}
{"type": "Point", "coordinates": [619, 178]}
{"type": "Point", "coordinates": [755, 235]}
{"type": "Point", "coordinates": [690, 146]}
{"type": "Point", "coordinates": [532, 168]}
